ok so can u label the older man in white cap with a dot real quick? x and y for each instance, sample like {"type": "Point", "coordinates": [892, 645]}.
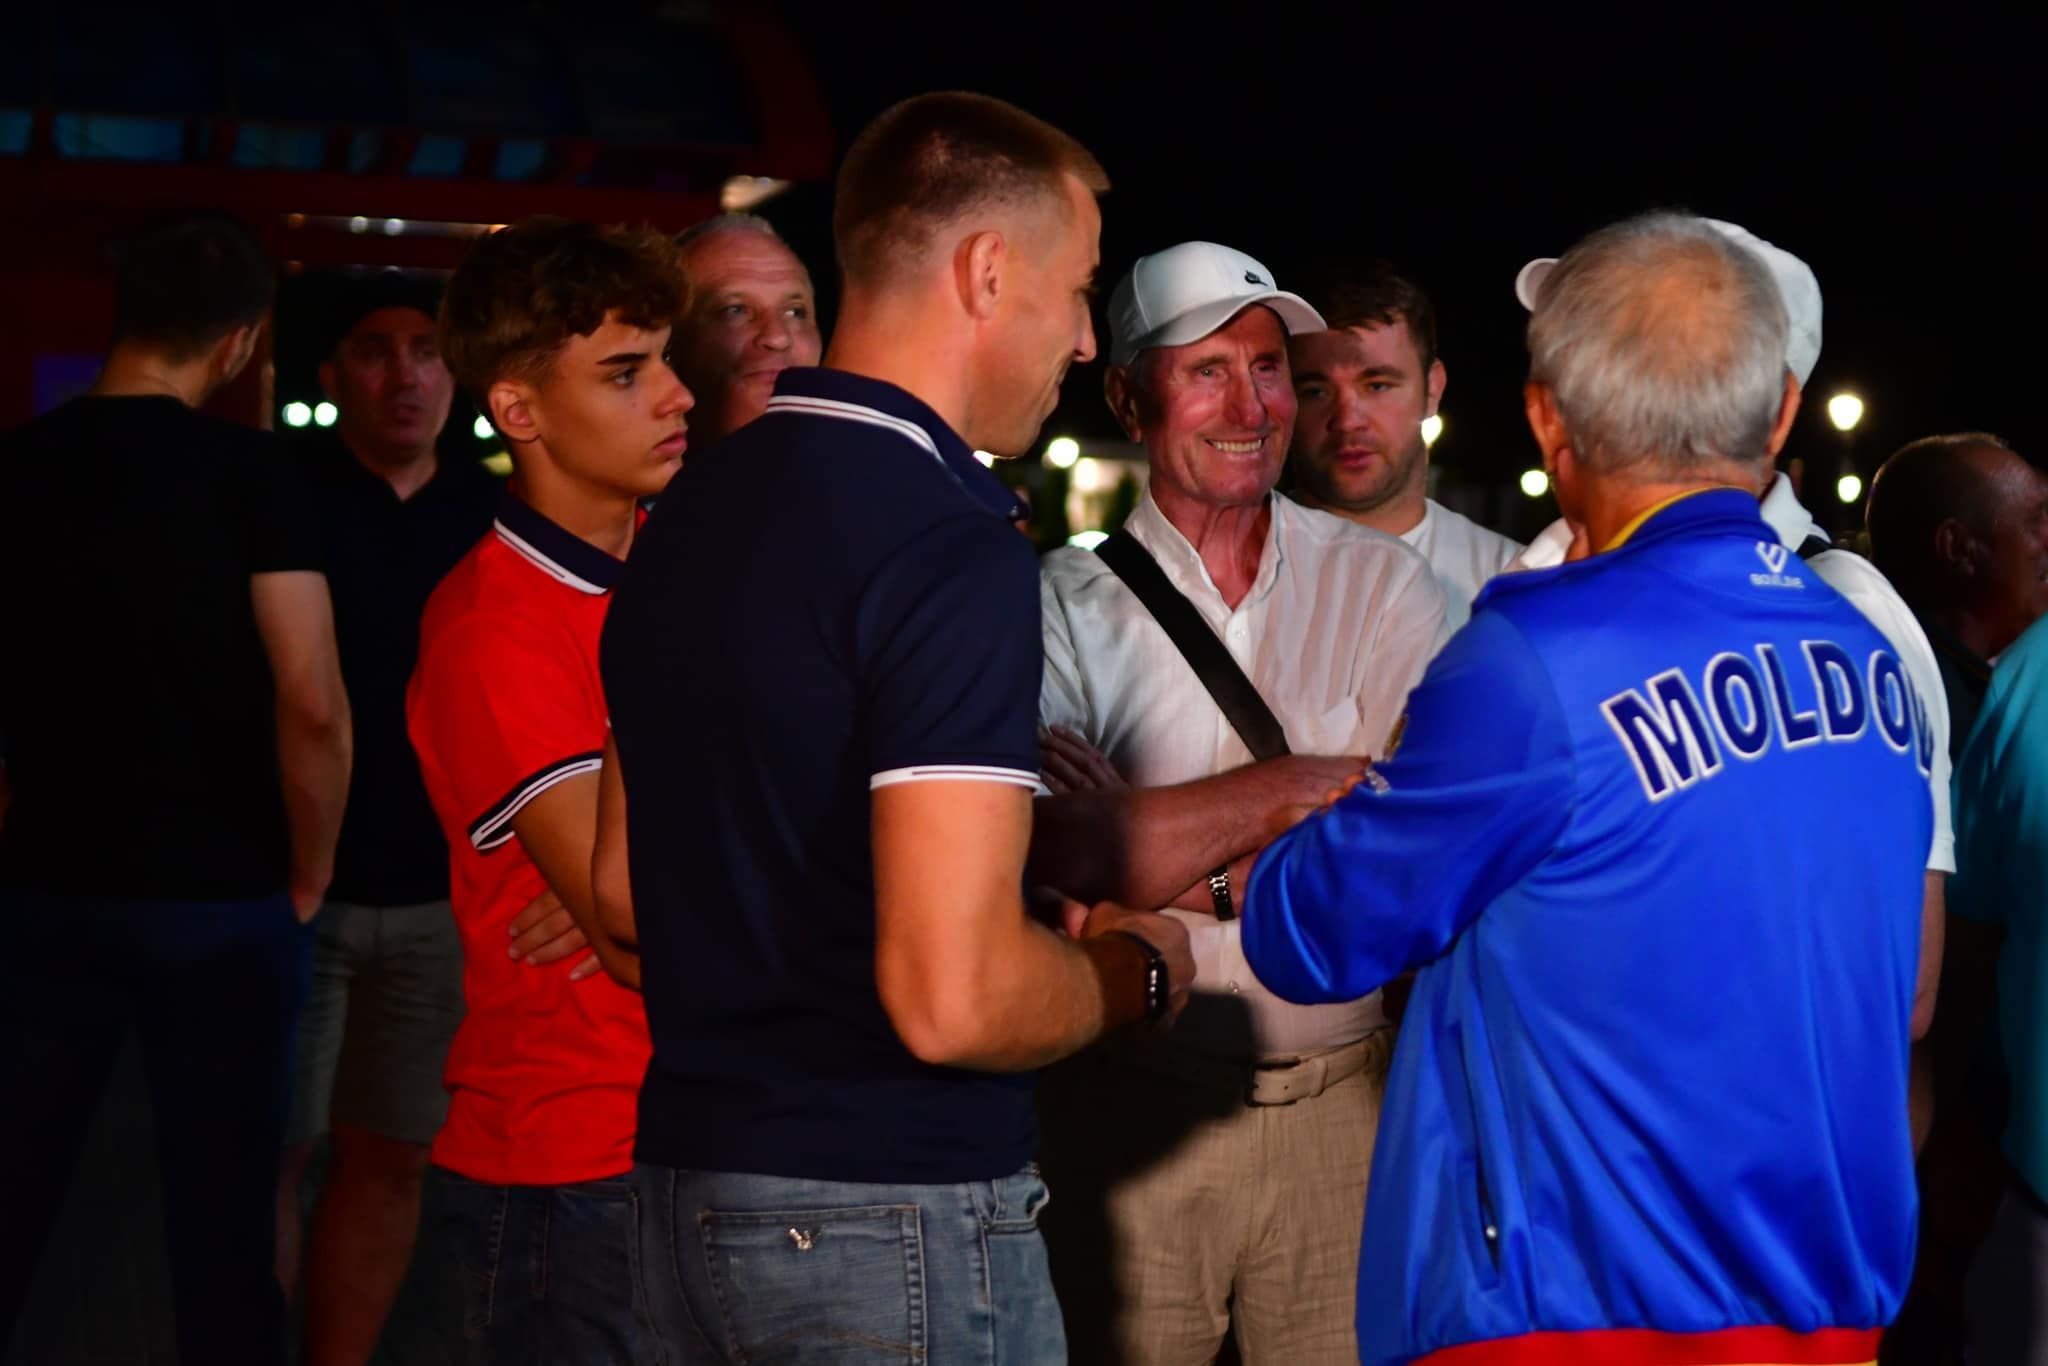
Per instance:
{"type": "Point", "coordinates": [1219, 1171]}
{"type": "Point", "coordinates": [1848, 573]}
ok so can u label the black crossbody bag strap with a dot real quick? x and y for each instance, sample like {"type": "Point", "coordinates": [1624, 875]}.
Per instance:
{"type": "Point", "coordinates": [1234, 694]}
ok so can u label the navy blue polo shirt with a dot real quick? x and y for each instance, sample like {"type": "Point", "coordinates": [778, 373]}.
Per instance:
{"type": "Point", "coordinates": [828, 601]}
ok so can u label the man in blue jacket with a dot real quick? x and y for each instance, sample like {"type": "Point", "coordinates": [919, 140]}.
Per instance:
{"type": "Point", "coordinates": [1650, 1089]}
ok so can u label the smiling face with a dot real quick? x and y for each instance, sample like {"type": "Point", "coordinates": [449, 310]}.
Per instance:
{"type": "Point", "coordinates": [1363, 392]}
{"type": "Point", "coordinates": [1214, 416]}
{"type": "Point", "coordinates": [1042, 323]}
{"type": "Point", "coordinates": [751, 316]}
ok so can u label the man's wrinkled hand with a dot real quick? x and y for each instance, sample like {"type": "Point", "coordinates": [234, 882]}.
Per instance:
{"type": "Point", "coordinates": [546, 933]}
{"type": "Point", "coordinates": [1304, 783]}
{"type": "Point", "coordinates": [1074, 765]}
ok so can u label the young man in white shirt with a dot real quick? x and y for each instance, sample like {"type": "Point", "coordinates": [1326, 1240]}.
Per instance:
{"type": "Point", "coordinates": [1217, 1172]}
{"type": "Point", "coordinates": [1365, 387]}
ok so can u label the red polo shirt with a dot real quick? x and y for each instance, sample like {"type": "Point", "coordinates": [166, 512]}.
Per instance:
{"type": "Point", "coordinates": [545, 1073]}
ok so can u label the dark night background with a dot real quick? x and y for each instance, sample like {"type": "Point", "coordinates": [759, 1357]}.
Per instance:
{"type": "Point", "coordinates": [1897, 153]}
{"type": "Point", "coordinates": [1891, 152]}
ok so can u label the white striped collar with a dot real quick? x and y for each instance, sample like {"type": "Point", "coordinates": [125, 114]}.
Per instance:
{"type": "Point", "coordinates": [854, 412]}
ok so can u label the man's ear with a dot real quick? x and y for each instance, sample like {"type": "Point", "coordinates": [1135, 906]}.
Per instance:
{"type": "Point", "coordinates": [1121, 394]}
{"type": "Point", "coordinates": [1546, 424]}
{"type": "Point", "coordinates": [1788, 408]}
{"type": "Point", "coordinates": [233, 352]}
{"type": "Point", "coordinates": [515, 410]}
{"type": "Point", "coordinates": [1955, 548]}
{"type": "Point", "coordinates": [978, 264]}
{"type": "Point", "coordinates": [327, 378]}
{"type": "Point", "coordinates": [1433, 385]}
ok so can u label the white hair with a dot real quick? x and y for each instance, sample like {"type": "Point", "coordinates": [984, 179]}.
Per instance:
{"type": "Point", "coordinates": [1664, 345]}
{"type": "Point", "coordinates": [727, 222]}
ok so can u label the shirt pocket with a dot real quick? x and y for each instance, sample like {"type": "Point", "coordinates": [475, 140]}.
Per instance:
{"type": "Point", "coordinates": [1334, 731]}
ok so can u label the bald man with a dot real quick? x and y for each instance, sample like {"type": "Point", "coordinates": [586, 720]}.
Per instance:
{"type": "Point", "coordinates": [1959, 524]}
{"type": "Point", "coordinates": [749, 315]}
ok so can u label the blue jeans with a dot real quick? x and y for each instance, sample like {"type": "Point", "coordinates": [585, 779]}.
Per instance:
{"type": "Point", "coordinates": [777, 1271]}
{"type": "Point", "coordinates": [549, 1274]}
{"type": "Point", "coordinates": [212, 989]}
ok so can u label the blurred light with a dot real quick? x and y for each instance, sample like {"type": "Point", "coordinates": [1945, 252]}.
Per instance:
{"type": "Point", "coordinates": [482, 428]}
{"type": "Point", "coordinates": [1535, 483]}
{"type": "Point", "coordinates": [1087, 540]}
{"type": "Point", "coordinates": [1095, 476]}
{"type": "Point", "coordinates": [499, 463]}
{"type": "Point", "coordinates": [297, 414]}
{"type": "Point", "coordinates": [295, 220]}
{"type": "Point", "coordinates": [1432, 428]}
{"type": "Point", "coordinates": [359, 224]}
{"type": "Point", "coordinates": [1061, 452]}
{"type": "Point", "coordinates": [743, 192]}
{"type": "Point", "coordinates": [1845, 410]}
{"type": "Point", "coordinates": [393, 226]}
{"type": "Point", "coordinates": [985, 458]}
{"type": "Point", "coordinates": [1848, 488]}
{"type": "Point", "coordinates": [324, 414]}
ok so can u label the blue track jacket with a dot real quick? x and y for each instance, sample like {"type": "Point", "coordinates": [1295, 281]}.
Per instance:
{"type": "Point", "coordinates": [1656, 834]}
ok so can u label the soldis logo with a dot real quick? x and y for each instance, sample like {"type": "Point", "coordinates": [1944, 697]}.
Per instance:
{"type": "Point", "coordinates": [1775, 557]}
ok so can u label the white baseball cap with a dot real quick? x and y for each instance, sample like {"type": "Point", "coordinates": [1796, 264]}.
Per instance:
{"type": "Point", "coordinates": [1796, 285]}
{"type": "Point", "coordinates": [1184, 293]}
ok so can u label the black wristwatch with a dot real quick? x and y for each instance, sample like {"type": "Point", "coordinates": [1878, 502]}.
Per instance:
{"type": "Point", "coordinates": [1219, 893]}
{"type": "Point", "coordinates": [1158, 988]}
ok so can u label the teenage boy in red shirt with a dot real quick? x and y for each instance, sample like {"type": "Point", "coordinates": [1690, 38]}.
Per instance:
{"type": "Point", "coordinates": [561, 331]}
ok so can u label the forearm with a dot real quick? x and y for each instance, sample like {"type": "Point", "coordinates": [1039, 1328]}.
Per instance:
{"type": "Point", "coordinates": [610, 929]}
{"type": "Point", "coordinates": [1031, 1000]}
{"type": "Point", "coordinates": [1198, 897]}
{"type": "Point", "coordinates": [1933, 914]}
{"type": "Point", "coordinates": [1146, 846]}
{"type": "Point", "coordinates": [313, 755]}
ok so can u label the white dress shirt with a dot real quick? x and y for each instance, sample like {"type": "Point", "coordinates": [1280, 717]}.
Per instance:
{"type": "Point", "coordinates": [1337, 628]}
{"type": "Point", "coordinates": [1461, 553]}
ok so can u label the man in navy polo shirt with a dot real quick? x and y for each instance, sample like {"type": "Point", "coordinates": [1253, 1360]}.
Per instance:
{"type": "Point", "coordinates": [825, 722]}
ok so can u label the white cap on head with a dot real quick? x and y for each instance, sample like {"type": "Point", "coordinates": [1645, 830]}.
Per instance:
{"type": "Point", "coordinates": [1184, 293]}
{"type": "Point", "coordinates": [1796, 285]}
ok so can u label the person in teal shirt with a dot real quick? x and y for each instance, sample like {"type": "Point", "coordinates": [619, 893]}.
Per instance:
{"type": "Point", "coordinates": [2002, 879]}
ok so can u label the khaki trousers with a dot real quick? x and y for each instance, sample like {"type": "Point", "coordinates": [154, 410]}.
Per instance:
{"type": "Point", "coordinates": [1178, 1208]}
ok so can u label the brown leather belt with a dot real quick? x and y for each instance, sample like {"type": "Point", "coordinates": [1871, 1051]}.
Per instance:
{"type": "Point", "coordinates": [1273, 1081]}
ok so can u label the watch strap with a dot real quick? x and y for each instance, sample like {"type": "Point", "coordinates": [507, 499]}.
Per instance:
{"type": "Point", "coordinates": [1158, 987]}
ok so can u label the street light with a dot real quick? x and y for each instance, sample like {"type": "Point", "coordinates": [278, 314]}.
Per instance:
{"type": "Point", "coordinates": [481, 428]}
{"type": "Point", "coordinates": [1535, 483]}
{"type": "Point", "coordinates": [1432, 428]}
{"type": "Point", "coordinates": [1845, 410]}
{"type": "Point", "coordinates": [324, 414]}
{"type": "Point", "coordinates": [1848, 488]}
{"type": "Point", "coordinates": [1061, 452]}
{"type": "Point", "coordinates": [297, 414]}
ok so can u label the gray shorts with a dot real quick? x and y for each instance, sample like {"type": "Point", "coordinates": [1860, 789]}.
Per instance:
{"type": "Point", "coordinates": [373, 1041]}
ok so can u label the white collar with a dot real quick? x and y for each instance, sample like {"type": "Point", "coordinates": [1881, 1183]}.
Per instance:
{"type": "Point", "coordinates": [1788, 518]}
{"type": "Point", "coordinates": [1178, 557]}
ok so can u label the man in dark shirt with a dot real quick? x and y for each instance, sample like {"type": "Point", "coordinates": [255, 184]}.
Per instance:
{"type": "Point", "coordinates": [387, 978]}
{"type": "Point", "coordinates": [827, 722]}
{"type": "Point", "coordinates": [1959, 524]}
{"type": "Point", "coordinates": [177, 745]}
